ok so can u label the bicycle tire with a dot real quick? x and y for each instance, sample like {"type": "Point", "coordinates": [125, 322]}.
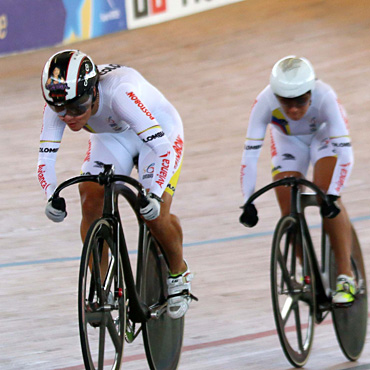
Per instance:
{"type": "Point", "coordinates": [101, 300]}
{"type": "Point", "coordinates": [163, 336]}
{"type": "Point", "coordinates": [350, 323]}
{"type": "Point", "coordinates": [292, 292]}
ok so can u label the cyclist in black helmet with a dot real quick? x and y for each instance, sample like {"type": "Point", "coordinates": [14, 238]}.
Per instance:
{"type": "Point", "coordinates": [127, 118]}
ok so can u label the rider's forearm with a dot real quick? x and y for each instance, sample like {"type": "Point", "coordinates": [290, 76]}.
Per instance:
{"type": "Point", "coordinates": [47, 176]}
{"type": "Point", "coordinates": [248, 170]}
{"type": "Point", "coordinates": [343, 167]}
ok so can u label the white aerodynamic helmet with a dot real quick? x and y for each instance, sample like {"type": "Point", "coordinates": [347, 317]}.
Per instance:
{"type": "Point", "coordinates": [292, 77]}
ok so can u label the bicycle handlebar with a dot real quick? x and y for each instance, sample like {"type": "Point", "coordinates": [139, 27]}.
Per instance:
{"type": "Point", "coordinates": [103, 178]}
{"type": "Point", "coordinates": [290, 181]}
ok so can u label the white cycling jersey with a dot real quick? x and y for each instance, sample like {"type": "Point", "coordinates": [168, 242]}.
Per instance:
{"type": "Point", "coordinates": [322, 132]}
{"type": "Point", "coordinates": [133, 116]}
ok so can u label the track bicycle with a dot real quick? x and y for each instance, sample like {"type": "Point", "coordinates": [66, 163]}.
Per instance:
{"type": "Point", "coordinates": [302, 285]}
{"type": "Point", "coordinates": [113, 306]}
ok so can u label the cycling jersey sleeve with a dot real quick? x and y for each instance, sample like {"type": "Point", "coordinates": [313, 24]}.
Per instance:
{"type": "Point", "coordinates": [335, 116]}
{"type": "Point", "coordinates": [258, 121]}
{"type": "Point", "coordinates": [50, 138]}
{"type": "Point", "coordinates": [132, 108]}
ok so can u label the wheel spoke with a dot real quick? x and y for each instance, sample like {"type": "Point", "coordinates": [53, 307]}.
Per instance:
{"type": "Point", "coordinates": [284, 271]}
{"type": "Point", "coordinates": [102, 329]}
{"type": "Point", "coordinates": [110, 274]}
{"type": "Point", "coordinates": [116, 339]}
{"type": "Point", "coordinates": [96, 273]}
{"type": "Point", "coordinates": [287, 309]}
{"type": "Point", "coordinates": [297, 317]}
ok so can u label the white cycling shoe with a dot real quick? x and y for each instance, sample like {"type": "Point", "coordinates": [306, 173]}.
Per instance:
{"type": "Point", "coordinates": [346, 290]}
{"type": "Point", "coordinates": [179, 294]}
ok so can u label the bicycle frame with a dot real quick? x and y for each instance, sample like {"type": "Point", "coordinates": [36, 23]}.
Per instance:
{"type": "Point", "coordinates": [323, 292]}
{"type": "Point", "coordinates": [138, 310]}
{"type": "Point", "coordinates": [299, 201]}
{"type": "Point", "coordinates": [310, 291]}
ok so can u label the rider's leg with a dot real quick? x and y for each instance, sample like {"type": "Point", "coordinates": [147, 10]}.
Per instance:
{"type": "Point", "coordinates": [283, 197]}
{"type": "Point", "coordinates": [338, 228]}
{"type": "Point", "coordinates": [92, 197]}
{"type": "Point", "coordinates": [283, 192]}
{"type": "Point", "coordinates": [167, 230]}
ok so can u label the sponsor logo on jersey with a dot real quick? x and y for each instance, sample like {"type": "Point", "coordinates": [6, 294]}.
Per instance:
{"type": "Point", "coordinates": [342, 176]}
{"type": "Point", "coordinates": [152, 137]}
{"type": "Point", "coordinates": [313, 127]}
{"type": "Point", "coordinates": [138, 102]}
{"type": "Point", "coordinates": [164, 169]}
{"type": "Point", "coordinates": [41, 177]}
{"type": "Point", "coordinates": [272, 146]}
{"type": "Point", "coordinates": [172, 188]}
{"type": "Point", "coordinates": [288, 157]}
{"type": "Point", "coordinates": [149, 171]}
{"type": "Point", "coordinates": [277, 168]}
{"type": "Point", "coordinates": [178, 146]}
{"type": "Point", "coordinates": [252, 147]}
{"type": "Point", "coordinates": [88, 153]}
{"type": "Point", "coordinates": [48, 150]}
{"type": "Point", "coordinates": [342, 145]}
{"type": "Point", "coordinates": [99, 164]}
{"type": "Point", "coordinates": [114, 125]}
{"type": "Point", "coordinates": [324, 144]}
{"type": "Point", "coordinates": [109, 68]}
{"type": "Point", "coordinates": [243, 166]}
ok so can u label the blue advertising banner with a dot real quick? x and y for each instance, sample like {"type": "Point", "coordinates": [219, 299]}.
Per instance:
{"type": "Point", "coordinates": [91, 18]}
{"type": "Point", "coordinates": [108, 16]}
{"type": "Point", "coordinates": [30, 24]}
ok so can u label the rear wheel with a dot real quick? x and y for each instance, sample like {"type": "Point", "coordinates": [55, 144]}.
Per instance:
{"type": "Point", "coordinates": [162, 335]}
{"type": "Point", "coordinates": [350, 323]}
{"type": "Point", "coordinates": [101, 300]}
{"type": "Point", "coordinates": [292, 291]}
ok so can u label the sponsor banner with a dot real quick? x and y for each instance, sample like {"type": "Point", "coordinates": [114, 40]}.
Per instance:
{"type": "Point", "coordinates": [30, 24]}
{"type": "Point", "coordinates": [141, 13]}
{"type": "Point", "coordinates": [86, 19]}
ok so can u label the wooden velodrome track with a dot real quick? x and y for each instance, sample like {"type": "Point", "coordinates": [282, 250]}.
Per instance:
{"type": "Point", "coordinates": [211, 66]}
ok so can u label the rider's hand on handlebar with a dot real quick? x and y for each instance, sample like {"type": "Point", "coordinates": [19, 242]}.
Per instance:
{"type": "Point", "coordinates": [56, 209]}
{"type": "Point", "coordinates": [152, 209]}
{"type": "Point", "coordinates": [332, 209]}
{"type": "Point", "coordinates": [249, 216]}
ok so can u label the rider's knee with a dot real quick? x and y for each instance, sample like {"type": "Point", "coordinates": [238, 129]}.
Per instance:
{"type": "Point", "coordinates": [91, 198]}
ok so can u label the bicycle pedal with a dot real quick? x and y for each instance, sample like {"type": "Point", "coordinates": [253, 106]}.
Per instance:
{"type": "Point", "coordinates": [343, 305]}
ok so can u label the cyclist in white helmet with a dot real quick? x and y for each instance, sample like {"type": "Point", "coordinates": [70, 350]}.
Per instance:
{"type": "Point", "coordinates": [128, 119]}
{"type": "Point", "coordinates": [308, 124]}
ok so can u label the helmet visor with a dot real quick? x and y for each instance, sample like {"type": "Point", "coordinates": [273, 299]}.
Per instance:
{"type": "Point", "coordinates": [76, 108]}
{"type": "Point", "coordinates": [298, 102]}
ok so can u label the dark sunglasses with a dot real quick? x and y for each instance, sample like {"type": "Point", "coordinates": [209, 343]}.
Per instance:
{"type": "Point", "coordinates": [76, 108]}
{"type": "Point", "coordinates": [298, 102]}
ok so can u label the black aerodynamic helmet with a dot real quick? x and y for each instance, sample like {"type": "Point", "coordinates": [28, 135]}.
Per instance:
{"type": "Point", "coordinates": [67, 76]}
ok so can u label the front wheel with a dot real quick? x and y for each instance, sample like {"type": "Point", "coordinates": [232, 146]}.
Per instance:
{"type": "Point", "coordinates": [350, 323]}
{"type": "Point", "coordinates": [162, 335]}
{"type": "Point", "coordinates": [101, 300]}
{"type": "Point", "coordinates": [292, 291]}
